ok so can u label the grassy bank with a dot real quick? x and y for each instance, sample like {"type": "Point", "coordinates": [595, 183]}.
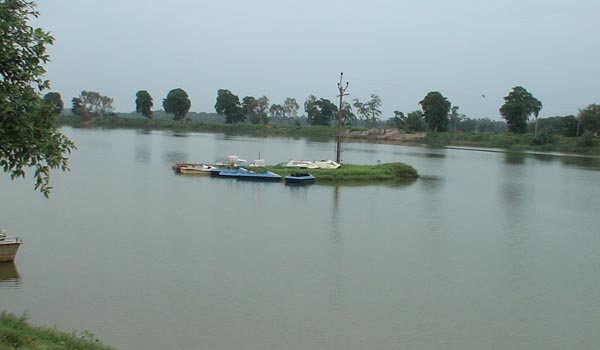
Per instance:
{"type": "Point", "coordinates": [197, 126]}
{"type": "Point", "coordinates": [17, 333]}
{"type": "Point", "coordinates": [353, 173]}
{"type": "Point", "coordinates": [543, 142]}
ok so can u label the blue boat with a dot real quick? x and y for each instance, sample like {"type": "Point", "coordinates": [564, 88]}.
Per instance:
{"type": "Point", "coordinates": [245, 174]}
{"type": "Point", "coordinates": [299, 178]}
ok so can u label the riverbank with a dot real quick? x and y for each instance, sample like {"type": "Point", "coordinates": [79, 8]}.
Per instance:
{"type": "Point", "coordinates": [17, 333]}
{"type": "Point", "coordinates": [543, 142]}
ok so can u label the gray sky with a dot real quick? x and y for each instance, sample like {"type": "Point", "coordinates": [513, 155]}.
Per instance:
{"type": "Point", "coordinates": [399, 50]}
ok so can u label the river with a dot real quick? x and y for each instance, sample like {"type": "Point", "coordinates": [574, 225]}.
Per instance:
{"type": "Point", "coordinates": [488, 250]}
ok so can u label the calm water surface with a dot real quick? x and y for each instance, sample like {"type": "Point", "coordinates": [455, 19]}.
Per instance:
{"type": "Point", "coordinates": [488, 251]}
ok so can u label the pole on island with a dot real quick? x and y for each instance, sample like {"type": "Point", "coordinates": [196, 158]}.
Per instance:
{"type": "Point", "coordinates": [338, 146]}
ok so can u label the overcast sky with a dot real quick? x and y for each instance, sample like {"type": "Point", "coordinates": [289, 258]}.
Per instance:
{"type": "Point", "coordinates": [399, 50]}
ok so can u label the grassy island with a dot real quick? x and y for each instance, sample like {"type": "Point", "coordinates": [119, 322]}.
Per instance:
{"type": "Point", "coordinates": [17, 333]}
{"type": "Point", "coordinates": [356, 173]}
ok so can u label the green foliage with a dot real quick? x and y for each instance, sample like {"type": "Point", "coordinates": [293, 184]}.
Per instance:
{"type": "Point", "coordinates": [55, 100]}
{"type": "Point", "coordinates": [590, 118]}
{"type": "Point", "coordinates": [17, 333]}
{"type": "Point", "coordinates": [256, 110]}
{"type": "Point", "coordinates": [518, 106]}
{"type": "Point", "coordinates": [435, 111]}
{"type": "Point", "coordinates": [369, 111]}
{"type": "Point", "coordinates": [566, 126]}
{"type": "Point", "coordinates": [277, 111]}
{"type": "Point", "coordinates": [587, 139]}
{"type": "Point", "coordinates": [92, 104]}
{"type": "Point", "coordinates": [144, 103]}
{"type": "Point", "coordinates": [228, 105]}
{"type": "Point", "coordinates": [413, 122]}
{"type": "Point", "coordinates": [348, 116]}
{"type": "Point", "coordinates": [28, 137]}
{"type": "Point", "coordinates": [177, 103]}
{"type": "Point", "coordinates": [320, 112]}
{"type": "Point", "coordinates": [290, 107]}
{"type": "Point", "coordinates": [544, 137]}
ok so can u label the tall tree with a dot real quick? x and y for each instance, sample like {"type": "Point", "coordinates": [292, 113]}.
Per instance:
{"type": "Point", "coordinates": [277, 111]}
{"type": "Point", "coordinates": [369, 111]}
{"type": "Point", "coordinates": [92, 104]}
{"type": "Point", "coordinates": [518, 106]}
{"type": "Point", "coordinates": [228, 105]}
{"type": "Point", "coordinates": [321, 112]}
{"type": "Point", "coordinates": [589, 118]}
{"type": "Point", "coordinates": [250, 109]}
{"type": "Point", "coordinates": [348, 116]}
{"type": "Point", "coordinates": [262, 109]}
{"type": "Point", "coordinates": [144, 103]}
{"type": "Point", "coordinates": [177, 103]}
{"type": "Point", "coordinates": [411, 122]}
{"type": "Point", "coordinates": [435, 111]}
{"type": "Point", "coordinates": [291, 107]}
{"type": "Point", "coordinates": [27, 133]}
{"type": "Point", "coordinates": [55, 100]}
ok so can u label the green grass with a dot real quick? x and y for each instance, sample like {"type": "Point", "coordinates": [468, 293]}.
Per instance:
{"type": "Point", "coordinates": [17, 333]}
{"type": "Point", "coordinates": [354, 174]}
{"type": "Point", "coordinates": [516, 142]}
{"type": "Point", "coordinates": [188, 125]}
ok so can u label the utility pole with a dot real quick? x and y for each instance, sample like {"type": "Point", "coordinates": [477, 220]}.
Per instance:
{"type": "Point", "coordinates": [338, 146]}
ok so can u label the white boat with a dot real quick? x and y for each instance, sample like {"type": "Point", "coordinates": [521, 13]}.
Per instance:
{"type": "Point", "coordinates": [327, 164]}
{"type": "Point", "coordinates": [304, 164]}
{"type": "Point", "coordinates": [196, 169]}
{"type": "Point", "coordinates": [8, 246]}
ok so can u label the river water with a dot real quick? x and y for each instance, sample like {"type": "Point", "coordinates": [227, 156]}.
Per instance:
{"type": "Point", "coordinates": [488, 250]}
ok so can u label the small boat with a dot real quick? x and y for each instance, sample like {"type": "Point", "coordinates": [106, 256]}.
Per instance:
{"type": "Point", "coordinates": [8, 246]}
{"type": "Point", "coordinates": [327, 164]}
{"type": "Point", "coordinates": [299, 178]}
{"type": "Point", "coordinates": [196, 169]}
{"type": "Point", "coordinates": [302, 164]}
{"type": "Point", "coordinates": [245, 174]}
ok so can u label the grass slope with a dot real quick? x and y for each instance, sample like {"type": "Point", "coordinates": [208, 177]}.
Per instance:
{"type": "Point", "coordinates": [17, 333]}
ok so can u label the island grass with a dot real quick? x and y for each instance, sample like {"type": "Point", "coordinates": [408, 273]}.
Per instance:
{"type": "Point", "coordinates": [17, 333]}
{"type": "Point", "coordinates": [353, 173]}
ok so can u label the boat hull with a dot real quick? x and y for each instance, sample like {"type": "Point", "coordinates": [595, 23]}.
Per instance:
{"type": "Point", "coordinates": [244, 174]}
{"type": "Point", "coordinates": [8, 249]}
{"type": "Point", "coordinates": [300, 179]}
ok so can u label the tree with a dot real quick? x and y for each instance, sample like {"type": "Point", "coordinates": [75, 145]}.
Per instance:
{"type": "Point", "coordinates": [262, 110]}
{"type": "Point", "coordinates": [411, 122]}
{"type": "Point", "coordinates": [55, 100]}
{"type": "Point", "coordinates": [177, 103]}
{"type": "Point", "coordinates": [435, 111]}
{"type": "Point", "coordinates": [320, 112]}
{"type": "Point", "coordinates": [250, 109]}
{"type": "Point", "coordinates": [228, 105]}
{"type": "Point", "coordinates": [28, 137]}
{"type": "Point", "coordinates": [455, 117]}
{"type": "Point", "coordinates": [290, 107]}
{"type": "Point", "coordinates": [369, 111]}
{"type": "Point", "coordinates": [144, 103]}
{"type": "Point", "coordinates": [348, 116]}
{"type": "Point", "coordinates": [518, 106]}
{"type": "Point", "coordinates": [589, 118]}
{"type": "Point", "coordinates": [277, 111]}
{"type": "Point", "coordinates": [92, 104]}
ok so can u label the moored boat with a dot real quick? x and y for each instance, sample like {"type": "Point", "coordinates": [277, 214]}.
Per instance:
{"type": "Point", "coordinates": [245, 174]}
{"type": "Point", "coordinates": [300, 178]}
{"type": "Point", "coordinates": [8, 246]}
{"type": "Point", "coordinates": [196, 169]}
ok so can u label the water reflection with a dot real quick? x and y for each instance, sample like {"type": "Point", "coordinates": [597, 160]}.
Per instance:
{"type": "Point", "coordinates": [174, 157]}
{"type": "Point", "coordinates": [516, 158]}
{"type": "Point", "coordinates": [9, 275]}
